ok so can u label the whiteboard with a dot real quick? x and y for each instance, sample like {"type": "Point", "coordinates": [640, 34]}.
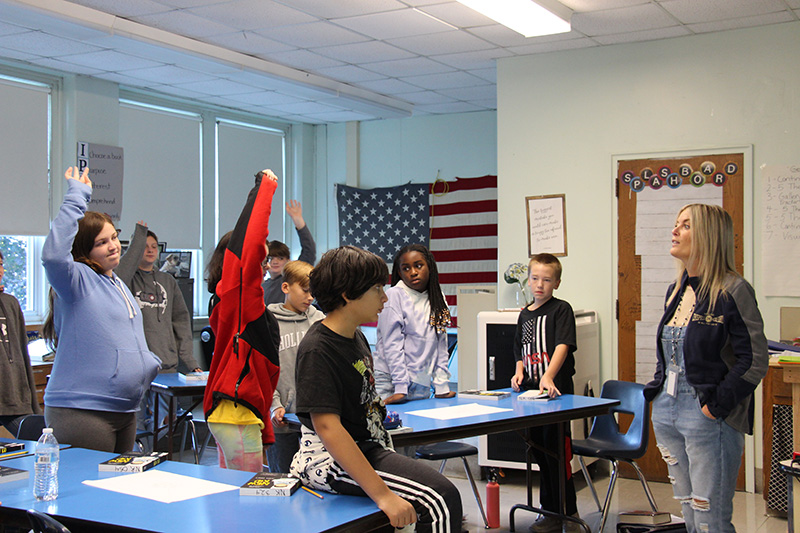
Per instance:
{"type": "Point", "coordinates": [780, 230]}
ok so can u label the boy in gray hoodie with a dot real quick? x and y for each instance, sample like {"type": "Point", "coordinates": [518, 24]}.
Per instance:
{"type": "Point", "coordinates": [294, 317]}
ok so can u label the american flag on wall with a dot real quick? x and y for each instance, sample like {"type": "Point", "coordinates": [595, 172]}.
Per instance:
{"type": "Point", "coordinates": [457, 220]}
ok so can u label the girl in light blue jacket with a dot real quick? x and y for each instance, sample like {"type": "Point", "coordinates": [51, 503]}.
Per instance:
{"type": "Point", "coordinates": [102, 366]}
{"type": "Point", "coordinates": [411, 355]}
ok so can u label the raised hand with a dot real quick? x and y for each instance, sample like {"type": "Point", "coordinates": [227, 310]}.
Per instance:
{"type": "Point", "coordinates": [295, 211]}
{"type": "Point", "coordinates": [73, 173]}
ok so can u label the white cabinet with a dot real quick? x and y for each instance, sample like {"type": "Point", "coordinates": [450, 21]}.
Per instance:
{"type": "Point", "coordinates": [496, 365]}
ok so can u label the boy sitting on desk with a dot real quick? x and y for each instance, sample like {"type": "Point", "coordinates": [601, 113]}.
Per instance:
{"type": "Point", "coordinates": [543, 346]}
{"type": "Point", "coordinates": [344, 447]}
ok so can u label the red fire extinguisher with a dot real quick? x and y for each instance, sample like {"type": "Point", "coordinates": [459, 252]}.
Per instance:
{"type": "Point", "coordinates": [493, 500]}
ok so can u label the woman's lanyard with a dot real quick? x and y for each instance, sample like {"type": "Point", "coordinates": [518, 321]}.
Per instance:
{"type": "Point", "coordinates": [678, 322]}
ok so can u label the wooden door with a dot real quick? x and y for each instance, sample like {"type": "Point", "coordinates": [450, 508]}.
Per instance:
{"type": "Point", "coordinates": [650, 192]}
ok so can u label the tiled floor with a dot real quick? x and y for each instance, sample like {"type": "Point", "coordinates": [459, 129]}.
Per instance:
{"type": "Point", "coordinates": [749, 509]}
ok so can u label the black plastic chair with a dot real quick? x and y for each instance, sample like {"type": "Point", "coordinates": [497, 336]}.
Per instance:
{"type": "Point", "coordinates": [44, 523]}
{"type": "Point", "coordinates": [442, 451]}
{"type": "Point", "coordinates": [30, 427]}
{"type": "Point", "coordinates": [607, 442]}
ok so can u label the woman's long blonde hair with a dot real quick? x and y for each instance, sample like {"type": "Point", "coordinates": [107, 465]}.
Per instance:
{"type": "Point", "coordinates": [712, 251]}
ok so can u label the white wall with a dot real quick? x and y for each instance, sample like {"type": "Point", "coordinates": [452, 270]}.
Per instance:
{"type": "Point", "coordinates": [562, 116]}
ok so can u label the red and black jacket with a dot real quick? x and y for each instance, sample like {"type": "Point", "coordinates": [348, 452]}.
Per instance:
{"type": "Point", "coordinates": [245, 365]}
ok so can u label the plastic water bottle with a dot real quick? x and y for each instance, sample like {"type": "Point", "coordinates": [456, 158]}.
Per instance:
{"type": "Point", "coordinates": [45, 480]}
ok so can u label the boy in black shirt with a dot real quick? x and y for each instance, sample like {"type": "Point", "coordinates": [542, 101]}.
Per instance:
{"type": "Point", "coordinates": [344, 447]}
{"type": "Point", "coordinates": [543, 346]}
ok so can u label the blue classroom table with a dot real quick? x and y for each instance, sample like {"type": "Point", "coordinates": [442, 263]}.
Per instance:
{"type": "Point", "coordinates": [84, 508]}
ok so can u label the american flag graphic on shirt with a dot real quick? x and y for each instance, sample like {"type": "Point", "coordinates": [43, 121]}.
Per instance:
{"type": "Point", "coordinates": [535, 358]}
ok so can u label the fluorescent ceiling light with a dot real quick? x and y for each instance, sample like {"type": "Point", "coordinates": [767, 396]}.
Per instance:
{"type": "Point", "coordinates": [543, 17]}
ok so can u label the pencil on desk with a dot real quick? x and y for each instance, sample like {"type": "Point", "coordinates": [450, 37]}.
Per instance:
{"type": "Point", "coordinates": [6, 455]}
{"type": "Point", "coordinates": [312, 492]}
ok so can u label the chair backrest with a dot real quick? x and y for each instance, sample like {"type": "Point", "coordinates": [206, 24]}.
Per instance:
{"type": "Point", "coordinates": [633, 443]}
{"type": "Point", "coordinates": [30, 427]}
{"type": "Point", "coordinates": [207, 344]}
{"type": "Point", "coordinates": [44, 523]}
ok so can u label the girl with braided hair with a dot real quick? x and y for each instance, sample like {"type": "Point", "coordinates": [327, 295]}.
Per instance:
{"type": "Point", "coordinates": [411, 354]}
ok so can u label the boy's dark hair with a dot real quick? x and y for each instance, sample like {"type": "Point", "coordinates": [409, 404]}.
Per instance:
{"type": "Point", "coordinates": [153, 235]}
{"type": "Point", "coordinates": [546, 259]}
{"type": "Point", "coordinates": [214, 267]}
{"type": "Point", "coordinates": [348, 271]}
{"type": "Point", "coordinates": [278, 249]}
{"type": "Point", "coordinates": [440, 312]}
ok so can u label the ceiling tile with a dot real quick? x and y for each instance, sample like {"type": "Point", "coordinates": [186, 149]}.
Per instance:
{"type": "Point", "coordinates": [185, 23]}
{"type": "Point", "coordinates": [732, 24]}
{"type": "Point", "coordinates": [42, 44]}
{"type": "Point", "coordinates": [473, 60]}
{"type": "Point", "coordinates": [540, 48]}
{"type": "Point", "coordinates": [111, 60]}
{"type": "Point", "coordinates": [794, 4]}
{"type": "Point", "coordinates": [303, 60]}
{"type": "Point", "coordinates": [488, 74]}
{"type": "Point", "coordinates": [599, 5]}
{"type": "Point", "coordinates": [314, 34]}
{"type": "Point", "coordinates": [388, 86]}
{"type": "Point", "coordinates": [425, 97]}
{"type": "Point", "coordinates": [18, 55]}
{"type": "Point", "coordinates": [394, 24]}
{"type": "Point", "coordinates": [219, 87]}
{"type": "Point", "coordinates": [348, 8]}
{"type": "Point", "coordinates": [649, 35]}
{"type": "Point", "coordinates": [449, 42]}
{"type": "Point", "coordinates": [348, 74]}
{"type": "Point", "coordinates": [407, 67]}
{"type": "Point", "coordinates": [444, 81]}
{"type": "Point", "coordinates": [368, 52]}
{"type": "Point", "coordinates": [252, 14]}
{"type": "Point", "coordinates": [452, 107]}
{"type": "Point", "coordinates": [480, 92]}
{"type": "Point", "coordinates": [634, 18]}
{"type": "Point", "coordinates": [183, 4]}
{"type": "Point", "coordinates": [694, 12]}
{"type": "Point", "coordinates": [339, 116]}
{"type": "Point", "coordinates": [126, 8]}
{"type": "Point", "coordinates": [57, 64]}
{"type": "Point", "coordinates": [169, 74]}
{"type": "Point", "coordinates": [11, 29]}
{"type": "Point", "coordinates": [457, 14]}
{"type": "Point", "coordinates": [265, 98]}
{"type": "Point", "coordinates": [302, 108]}
{"type": "Point", "coordinates": [249, 42]}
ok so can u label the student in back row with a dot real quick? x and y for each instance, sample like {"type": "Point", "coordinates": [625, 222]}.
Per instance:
{"type": "Point", "coordinates": [294, 317]}
{"type": "Point", "coordinates": [279, 254]}
{"type": "Point", "coordinates": [544, 344]}
{"type": "Point", "coordinates": [344, 447]}
{"type": "Point", "coordinates": [167, 324]}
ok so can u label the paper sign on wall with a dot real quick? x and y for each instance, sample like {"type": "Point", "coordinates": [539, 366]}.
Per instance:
{"type": "Point", "coordinates": [547, 225]}
{"type": "Point", "coordinates": [105, 170]}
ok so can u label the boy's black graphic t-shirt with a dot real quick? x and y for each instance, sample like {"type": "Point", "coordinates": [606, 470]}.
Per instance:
{"type": "Point", "coordinates": [334, 375]}
{"type": "Point", "coordinates": [537, 335]}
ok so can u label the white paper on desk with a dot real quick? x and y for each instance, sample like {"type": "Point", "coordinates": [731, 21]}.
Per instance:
{"type": "Point", "coordinates": [160, 486]}
{"type": "Point", "coordinates": [458, 411]}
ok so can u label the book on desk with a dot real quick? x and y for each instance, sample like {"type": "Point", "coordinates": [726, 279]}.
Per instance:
{"type": "Point", "coordinates": [8, 474]}
{"type": "Point", "coordinates": [191, 377]}
{"type": "Point", "coordinates": [476, 394]}
{"type": "Point", "coordinates": [270, 484]}
{"type": "Point", "coordinates": [132, 462]}
{"type": "Point", "coordinates": [534, 395]}
{"type": "Point", "coordinates": [9, 447]}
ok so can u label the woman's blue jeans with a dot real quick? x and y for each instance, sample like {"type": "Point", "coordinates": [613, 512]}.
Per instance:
{"type": "Point", "coordinates": [703, 458]}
